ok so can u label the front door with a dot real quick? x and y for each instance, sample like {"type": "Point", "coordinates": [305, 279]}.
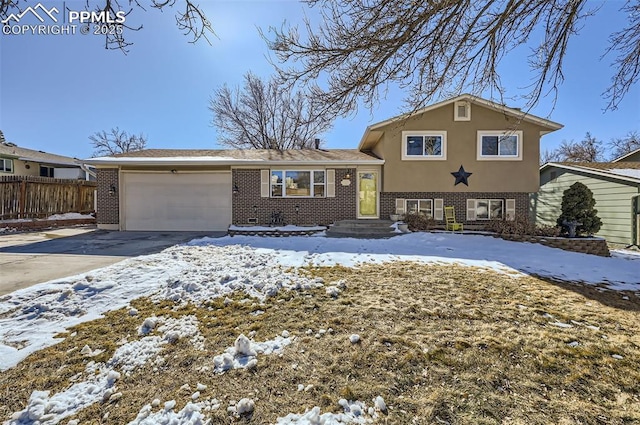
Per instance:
{"type": "Point", "coordinates": [367, 194]}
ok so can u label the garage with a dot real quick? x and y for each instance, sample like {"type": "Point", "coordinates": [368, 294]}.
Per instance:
{"type": "Point", "coordinates": [174, 201]}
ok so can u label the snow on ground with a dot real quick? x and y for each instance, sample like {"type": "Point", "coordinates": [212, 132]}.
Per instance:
{"type": "Point", "coordinates": [101, 377]}
{"type": "Point", "coordinates": [618, 271]}
{"type": "Point", "coordinates": [287, 228]}
{"type": "Point", "coordinates": [355, 412]}
{"type": "Point", "coordinates": [209, 268]}
{"type": "Point", "coordinates": [216, 267]}
{"type": "Point", "coordinates": [31, 317]}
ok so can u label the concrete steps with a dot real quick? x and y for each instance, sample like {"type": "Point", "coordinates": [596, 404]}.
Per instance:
{"type": "Point", "coordinates": [361, 229]}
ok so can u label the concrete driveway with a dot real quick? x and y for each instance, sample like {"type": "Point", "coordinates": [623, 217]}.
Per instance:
{"type": "Point", "coordinates": [30, 258]}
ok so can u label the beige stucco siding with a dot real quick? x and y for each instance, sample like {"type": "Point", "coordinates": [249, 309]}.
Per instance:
{"type": "Point", "coordinates": [613, 202]}
{"type": "Point", "coordinates": [461, 149]}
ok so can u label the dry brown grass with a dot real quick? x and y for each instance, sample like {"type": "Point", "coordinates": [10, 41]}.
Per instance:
{"type": "Point", "coordinates": [441, 344]}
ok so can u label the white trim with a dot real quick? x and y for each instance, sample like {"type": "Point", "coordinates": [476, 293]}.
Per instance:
{"type": "Point", "coordinates": [168, 161]}
{"type": "Point", "coordinates": [3, 169]}
{"type": "Point", "coordinates": [312, 184]}
{"type": "Point", "coordinates": [519, 143]}
{"type": "Point", "coordinates": [620, 159]}
{"type": "Point", "coordinates": [517, 113]}
{"type": "Point", "coordinates": [406, 207]}
{"type": "Point", "coordinates": [601, 173]}
{"type": "Point", "coordinates": [377, 173]}
{"type": "Point", "coordinates": [467, 107]}
{"type": "Point", "coordinates": [437, 133]}
{"type": "Point", "coordinates": [488, 201]}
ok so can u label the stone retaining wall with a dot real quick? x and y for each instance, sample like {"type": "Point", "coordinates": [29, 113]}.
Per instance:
{"type": "Point", "coordinates": [595, 246]}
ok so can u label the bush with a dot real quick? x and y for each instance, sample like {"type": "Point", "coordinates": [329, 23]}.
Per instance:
{"type": "Point", "coordinates": [419, 222]}
{"type": "Point", "coordinates": [578, 205]}
{"type": "Point", "coordinates": [521, 226]}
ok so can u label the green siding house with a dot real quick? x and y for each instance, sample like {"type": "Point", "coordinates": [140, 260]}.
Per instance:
{"type": "Point", "coordinates": [616, 189]}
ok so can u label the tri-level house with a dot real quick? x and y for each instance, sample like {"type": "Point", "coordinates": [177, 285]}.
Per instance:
{"type": "Point", "coordinates": [476, 155]}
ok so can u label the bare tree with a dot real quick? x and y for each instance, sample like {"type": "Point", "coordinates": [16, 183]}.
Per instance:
{"type": "Point", "coordinates": [588, 149]}
{"type": "Point", "coordinates": [550, 156]}
{"type": "Point", "coordinates": [266, 115]}
{"type": "Point", "coordinates": [440, 48]}
{"type": "Point", "coordinates": [190, 18]}
{"type": "Point", "coordinates": [116, 141]}
{"type": "Point", "coordinates": [624, 145]}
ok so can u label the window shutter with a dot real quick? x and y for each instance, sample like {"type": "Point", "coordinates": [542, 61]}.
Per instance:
{"type": "Point", "coordinates": [331, 183]}
{"type": "Point", "coordinates": [511, 209]}
{"type": "Point", "coordinates": [265, 183]}
{"type": "Point", "coordinates": [471, 209]}
{"type": "Point", "coordinates": [438, 208]}
{"type": "Point", "coordinates": [399, 206]}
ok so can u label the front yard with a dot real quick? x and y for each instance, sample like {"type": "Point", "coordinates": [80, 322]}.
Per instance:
{"type": "Point", "coordinates": [418, 329]}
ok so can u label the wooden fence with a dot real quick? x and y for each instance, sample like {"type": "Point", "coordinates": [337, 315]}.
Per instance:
{"type": "Point", "coordinates": [40, 197]}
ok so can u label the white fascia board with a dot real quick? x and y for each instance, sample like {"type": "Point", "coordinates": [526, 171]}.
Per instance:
{"type": "Point", "coordinates": [593, 171]}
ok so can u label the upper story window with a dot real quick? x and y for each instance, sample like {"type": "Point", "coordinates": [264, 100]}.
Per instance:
{"type": "Point", "coordinates": [297, 183]}
{"type": "Point", "coordinates": [462, 111]}
{"type": "Point", "coordinates": [6, 165]}
{"type": "Point", "coordinates": [424, 145]}
{"type": "Point", "coordinates": [499, 145]}
{"type": "Point", "coordinates": [46, 171]}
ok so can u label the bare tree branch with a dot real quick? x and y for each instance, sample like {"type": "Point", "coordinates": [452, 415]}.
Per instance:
{"type": "Point", "coordinates": [116, 141]}
{"type": "Point", "coordinates": [190, 19]}
{"type": "Point", "coordinates": [438, 48]}
{"type": "Point", "coordinates": [588, 149]}
{"type": "Point", "coordinates": [624, 145]}
{"type": "Point", "coordinates": [266, 116]}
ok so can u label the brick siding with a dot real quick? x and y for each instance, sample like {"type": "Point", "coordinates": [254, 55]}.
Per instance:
{"type": "Point", "coordinates": [107, 211]}
{"type": "Point", "coordinates": [457, 200]}
{"type": "Point", "coordinates": [321, 211]}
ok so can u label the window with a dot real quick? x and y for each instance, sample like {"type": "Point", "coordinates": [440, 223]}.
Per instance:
{"type": "Point", "coordinates": [500, 145]}
{"type": "Point", "coordinates": [46, 171]}
{"type": "Point", "coordinates": [6, 165]}
{"type": "Point", "coordinates": [462, 111]}
{"type": "Point", "coordinates": [424, 145]}
{"type": "Point", "coordinates": [424, 206]}
{"type": "Point", "coordinates": [292, 183]}
{"type": "Point", "coordinates": [489, 209]}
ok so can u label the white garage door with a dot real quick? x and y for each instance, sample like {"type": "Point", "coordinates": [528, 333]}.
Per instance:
{"type": "Point", "coordinates": [181, 201]}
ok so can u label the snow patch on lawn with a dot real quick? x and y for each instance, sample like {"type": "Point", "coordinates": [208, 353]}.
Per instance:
{"type": "Point", "coordinates": [244, 353]}
{"type": "Point", "coordinates": [354, 412]}
{"type": "Point", "coordinates": [101, 377]}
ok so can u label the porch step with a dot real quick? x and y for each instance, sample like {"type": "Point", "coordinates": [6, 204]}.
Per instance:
{"type": "Point", "coordinates": [361, 229]}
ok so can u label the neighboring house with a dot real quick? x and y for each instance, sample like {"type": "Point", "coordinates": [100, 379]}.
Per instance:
{"type": "Point", "coordinates": [17, 161]}
{"type": "Point", "coordinates": [470, 153]}
{"type": "Point", "coordinates": [615, 187]}
{"type": "Point", "coordinates": [633, 156]}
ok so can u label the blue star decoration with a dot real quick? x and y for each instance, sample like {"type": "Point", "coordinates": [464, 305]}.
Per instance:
{"type": "Point", "coordinates": [461, 176]}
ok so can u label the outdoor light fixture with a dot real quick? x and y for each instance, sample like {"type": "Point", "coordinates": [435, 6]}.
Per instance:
{"type": "Point", "coordinates": [347, 176]}
{"type": "Point", "coordinates": [112, 190]}
{"type": "Point", "coordinates": [297, 209]}
{"type": "Point", "coordinates": [174, 171]}
{"type": "Point", "coordinates": [235, 189]}
{"type": "Point", "coordinates": [255, 209]}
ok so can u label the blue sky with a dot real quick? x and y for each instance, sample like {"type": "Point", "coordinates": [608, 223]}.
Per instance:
{"type": "Point", "coordinates": [56, 90]}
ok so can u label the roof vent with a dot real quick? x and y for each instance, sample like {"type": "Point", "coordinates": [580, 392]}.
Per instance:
{"type": "Point", "coordinates": [316, 143]}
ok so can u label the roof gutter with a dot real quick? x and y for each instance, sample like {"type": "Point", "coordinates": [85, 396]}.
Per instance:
{"type": "Point", "coordinates": [591, 171]}
{"type": "Point", "coordinates": [257, 163]}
